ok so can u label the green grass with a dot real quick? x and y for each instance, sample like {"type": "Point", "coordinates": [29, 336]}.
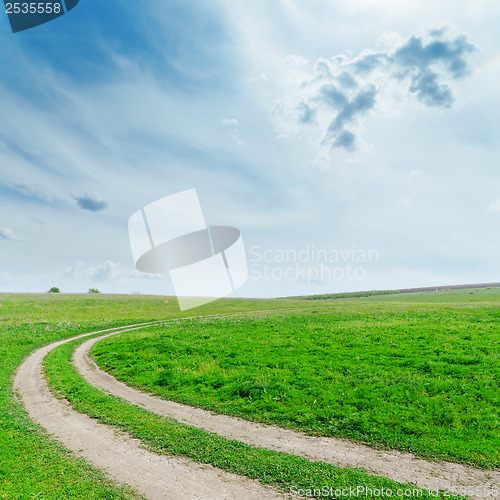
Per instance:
{"type": "Point", "coordinates": [31, 464]}
{"type": "Point", "coordinates": [445, 295]}
{"type": "Point", "coordinates": [346, 295]}
{"type": "Point", "coordinates": [465, 295]}
{"type": "Point", "coordinates": [34, 466]}
{"type": "Point", "coordinates": [167, 436]}
{"type": "Point", "coordinates": [418, 372]}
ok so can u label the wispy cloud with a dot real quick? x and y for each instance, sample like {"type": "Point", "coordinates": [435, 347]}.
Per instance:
{"type": "Point", "coordinates": [32, 191]}
{"type": "Point", "coordinates": [91, 202]}
{"type": "Point", "coordinates": [341, 90]}
{"type": "Point", "coordinates": [7, 234]}
{"type": "Point", "coordinates": [233, 125]}
{"type": "Point", "coordinates": [414, 174]}
{"type": "Point", "coordinates": [494, 207]}
{"type": "Point", "coordinates": [108, 271]}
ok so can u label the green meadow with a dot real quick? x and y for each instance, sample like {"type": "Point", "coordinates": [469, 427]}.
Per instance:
{"type": "Point", "coordinates": [166, 436]}
{"type": "Point", "coordinates": [32, 465]}
{"type": "Point", "coordinates": [416, 372]}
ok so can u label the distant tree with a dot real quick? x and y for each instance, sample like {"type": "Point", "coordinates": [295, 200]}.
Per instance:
{"type": "Point", "coordinates": [93, 290]}
{"type": "Point", "coordinates": [54, 289]}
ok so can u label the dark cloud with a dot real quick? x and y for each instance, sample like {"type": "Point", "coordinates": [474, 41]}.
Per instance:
{"type": "Point", "coordinates": [342, 89]}
{"type": "Point", "coordinates": [415, 54]}
{"type": "Point", "coordinates": [307, 114]}
{"type": "Point", "coordinates": [362, 103]}
{"type": "Point", "coordinates": [346, 139]}
{"type": "Point", "coordinates": [322, 69]}
{"type": "Point", "coordinates": [347, 81]}
{"type": "Point", "coordinates": [91, 202]}
{"type": "Point", "coordinates": [430, 92]}
{"type": "Point", "coordinates": [337, 135]}
{"type": "Point", "coordinates": [330, 95]}
{"type": "Point", "coordinates": [416, 58]}
{"type": "Point", "coordinates": [368, 62]}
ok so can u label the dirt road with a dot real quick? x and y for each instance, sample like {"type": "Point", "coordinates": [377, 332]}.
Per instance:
{"type": "Point", "coordinates": [121, 457]}
{"type": "Point", "coordinates": [162, 477]}
{"type": "Point", "coordinates": [402, 467]}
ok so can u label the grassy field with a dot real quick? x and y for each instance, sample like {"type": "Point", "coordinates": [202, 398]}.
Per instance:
{"type": "Point", "coordinates": [417, 372]}
{"type": "Point", "coordinates": [167, 436]}
{"type": "Point", "coordinates": [461, 325]}
{"type": "Point", "coordinates": [484, 293]}
{"type": "Point", "coordinates": [32, 465]}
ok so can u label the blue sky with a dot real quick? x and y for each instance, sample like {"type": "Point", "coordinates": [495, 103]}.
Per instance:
{"type": "Point", "coordinates": [342, 127]}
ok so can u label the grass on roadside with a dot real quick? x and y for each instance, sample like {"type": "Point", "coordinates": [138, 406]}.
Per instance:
{"type": "Point", "coordinates": [415, 376]}
{"type": "Point", "coordinates": [167, 436]}
{"type": "Point", "coordinates": [31, 464]}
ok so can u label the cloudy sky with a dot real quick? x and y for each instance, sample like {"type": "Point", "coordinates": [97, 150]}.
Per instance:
{"type": "Point", "coordinates": [365, 131]}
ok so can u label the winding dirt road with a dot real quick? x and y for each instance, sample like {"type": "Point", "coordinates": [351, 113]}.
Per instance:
{"type": "Point", "coordinates": [161, 477]}
{"type": "Point", "coordinates": [402, 467]}
{"type": "Point", "coordinates": [157, 477]}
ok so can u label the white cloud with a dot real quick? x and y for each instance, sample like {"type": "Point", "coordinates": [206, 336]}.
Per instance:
{"type": "Point", "coordinates": [414, 174]}
{"type": "Point", "coordinates": [7, 234]}
{"type": "Point", "coordinates": [229, 122]}
{"type": "Point", "coordinates": [494, 207]}
{"type": "Point", "coordinates": [33, 191]}
{"type": "Point", "coordinates": [107, 271]}
{"type": "Point", "coordinates": [297, 60]}
{"type": "Point", "coordinates": [233, 125]}
{"type": "Point", "coordinates": [404, 201]}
